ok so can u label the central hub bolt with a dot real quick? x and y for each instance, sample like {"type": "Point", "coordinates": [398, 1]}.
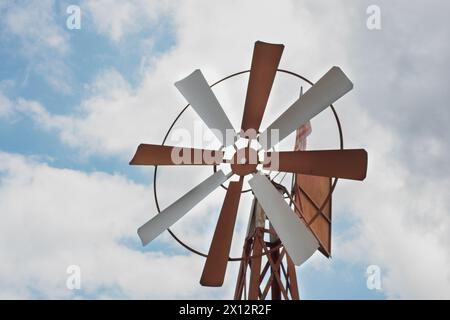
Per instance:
{"type": "Point", "coordinates": [244, 161]}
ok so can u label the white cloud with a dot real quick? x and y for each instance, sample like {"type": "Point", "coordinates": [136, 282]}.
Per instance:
{"type": "Point", "coordinates": [34, 24]}
{"type": "Point", "coordinates": [116, 19]}
{"type": "Point", "coordinates": [53, 218]}
{"type": "Point", "coordinates": [6, 107]}
{"type": "Point", "coordinates": [114, 120]}
{"type": "Point", "coordinates": [401, 217]}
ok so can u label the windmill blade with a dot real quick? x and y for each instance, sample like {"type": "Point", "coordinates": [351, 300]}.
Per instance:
{"type": "Point", "coordinates": [200, 96]}
{"type": "Point", "coordinates": [332, 86]}
{"type": "Point", "coordinates": [298, 240]}
{"type": "Point", "coordinates": [155, 226]}
{"type": "Point", "coordinates": [150, 154]}
{"type": "Point", "coordinates": [266, 57]}
{"type": "Point", "coordinates": [347, 164]}
{"type": "Point", "coordinates": [216, 262]}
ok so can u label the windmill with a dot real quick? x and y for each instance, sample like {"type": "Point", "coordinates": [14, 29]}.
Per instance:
{"type": "Point", "coordinates": [294, 233]}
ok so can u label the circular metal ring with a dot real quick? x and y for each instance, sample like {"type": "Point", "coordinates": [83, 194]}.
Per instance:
{"type": "Point", "coordinates": [327, 199]}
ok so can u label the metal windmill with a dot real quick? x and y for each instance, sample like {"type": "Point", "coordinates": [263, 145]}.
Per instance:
{"type": "Point", "coordinates": [286, 227]}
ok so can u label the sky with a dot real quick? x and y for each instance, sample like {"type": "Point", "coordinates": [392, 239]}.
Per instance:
{"type": "Point", "coordinates": [75, 103]}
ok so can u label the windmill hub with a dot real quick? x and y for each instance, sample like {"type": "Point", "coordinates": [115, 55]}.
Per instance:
{"type": "Point", "coordinates": [244, 161]}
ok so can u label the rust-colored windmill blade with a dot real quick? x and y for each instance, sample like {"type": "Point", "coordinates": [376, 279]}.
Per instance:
{"type": "Point", "coordinates": [265, 61]}
{"type": "Point", "coordinates": [346, 164]}
{"type": "Point", "coordinates": [151, 154]}
{"type": "Point", "coordinates": [217, 260]}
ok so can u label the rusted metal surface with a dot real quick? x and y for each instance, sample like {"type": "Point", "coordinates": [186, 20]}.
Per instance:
{"type": "Point", "coordinates": [347, 164]}
{"type": "Point", "coordinates": [244, 162]}
{"type": "Point", "coordinates": [216, 262]}
{"type": "Point", "coordinates": [277, 275]}
{"type": "Point", "coordinates": [271, 270]}
{"type": "Point", "coordinates": [255, 266]}
{"type": "Point", "coordinates": [311, 193]}
{"type": "Point", "coordinates": [292, 279]}
{"type": "Point", "coordinates": [265, 61]}
{"type": "Point", "coordinates": [275, 287]}
{"type": "Point", "coordinates": [150, 154]}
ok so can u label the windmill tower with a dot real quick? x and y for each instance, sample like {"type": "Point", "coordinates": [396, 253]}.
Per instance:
{"type": "Point", "coordinates": [286, 227]}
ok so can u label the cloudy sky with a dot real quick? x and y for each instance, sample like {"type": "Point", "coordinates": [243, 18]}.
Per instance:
{"type": "Point", "coordinates": [74, 104]}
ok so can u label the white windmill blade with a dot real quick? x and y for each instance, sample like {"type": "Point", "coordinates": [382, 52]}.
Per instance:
{"type": "Point", "coordinates": [332, 86]}
{"type": "Point", "coordinates": [298, 240]}
{"type": "Point", "coordinates": [200, 96]}
{"type": "Point", "coordinates": [166, 218]}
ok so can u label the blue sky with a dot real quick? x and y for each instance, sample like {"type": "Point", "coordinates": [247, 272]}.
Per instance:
{"type": "Point", "coordinates": [74, 104]}
{"type": "Point", "coordinates": [90, 54]}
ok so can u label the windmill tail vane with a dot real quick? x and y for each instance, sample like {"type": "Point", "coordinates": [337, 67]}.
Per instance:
{"type": "Point", "coordinates": [295, 234]}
